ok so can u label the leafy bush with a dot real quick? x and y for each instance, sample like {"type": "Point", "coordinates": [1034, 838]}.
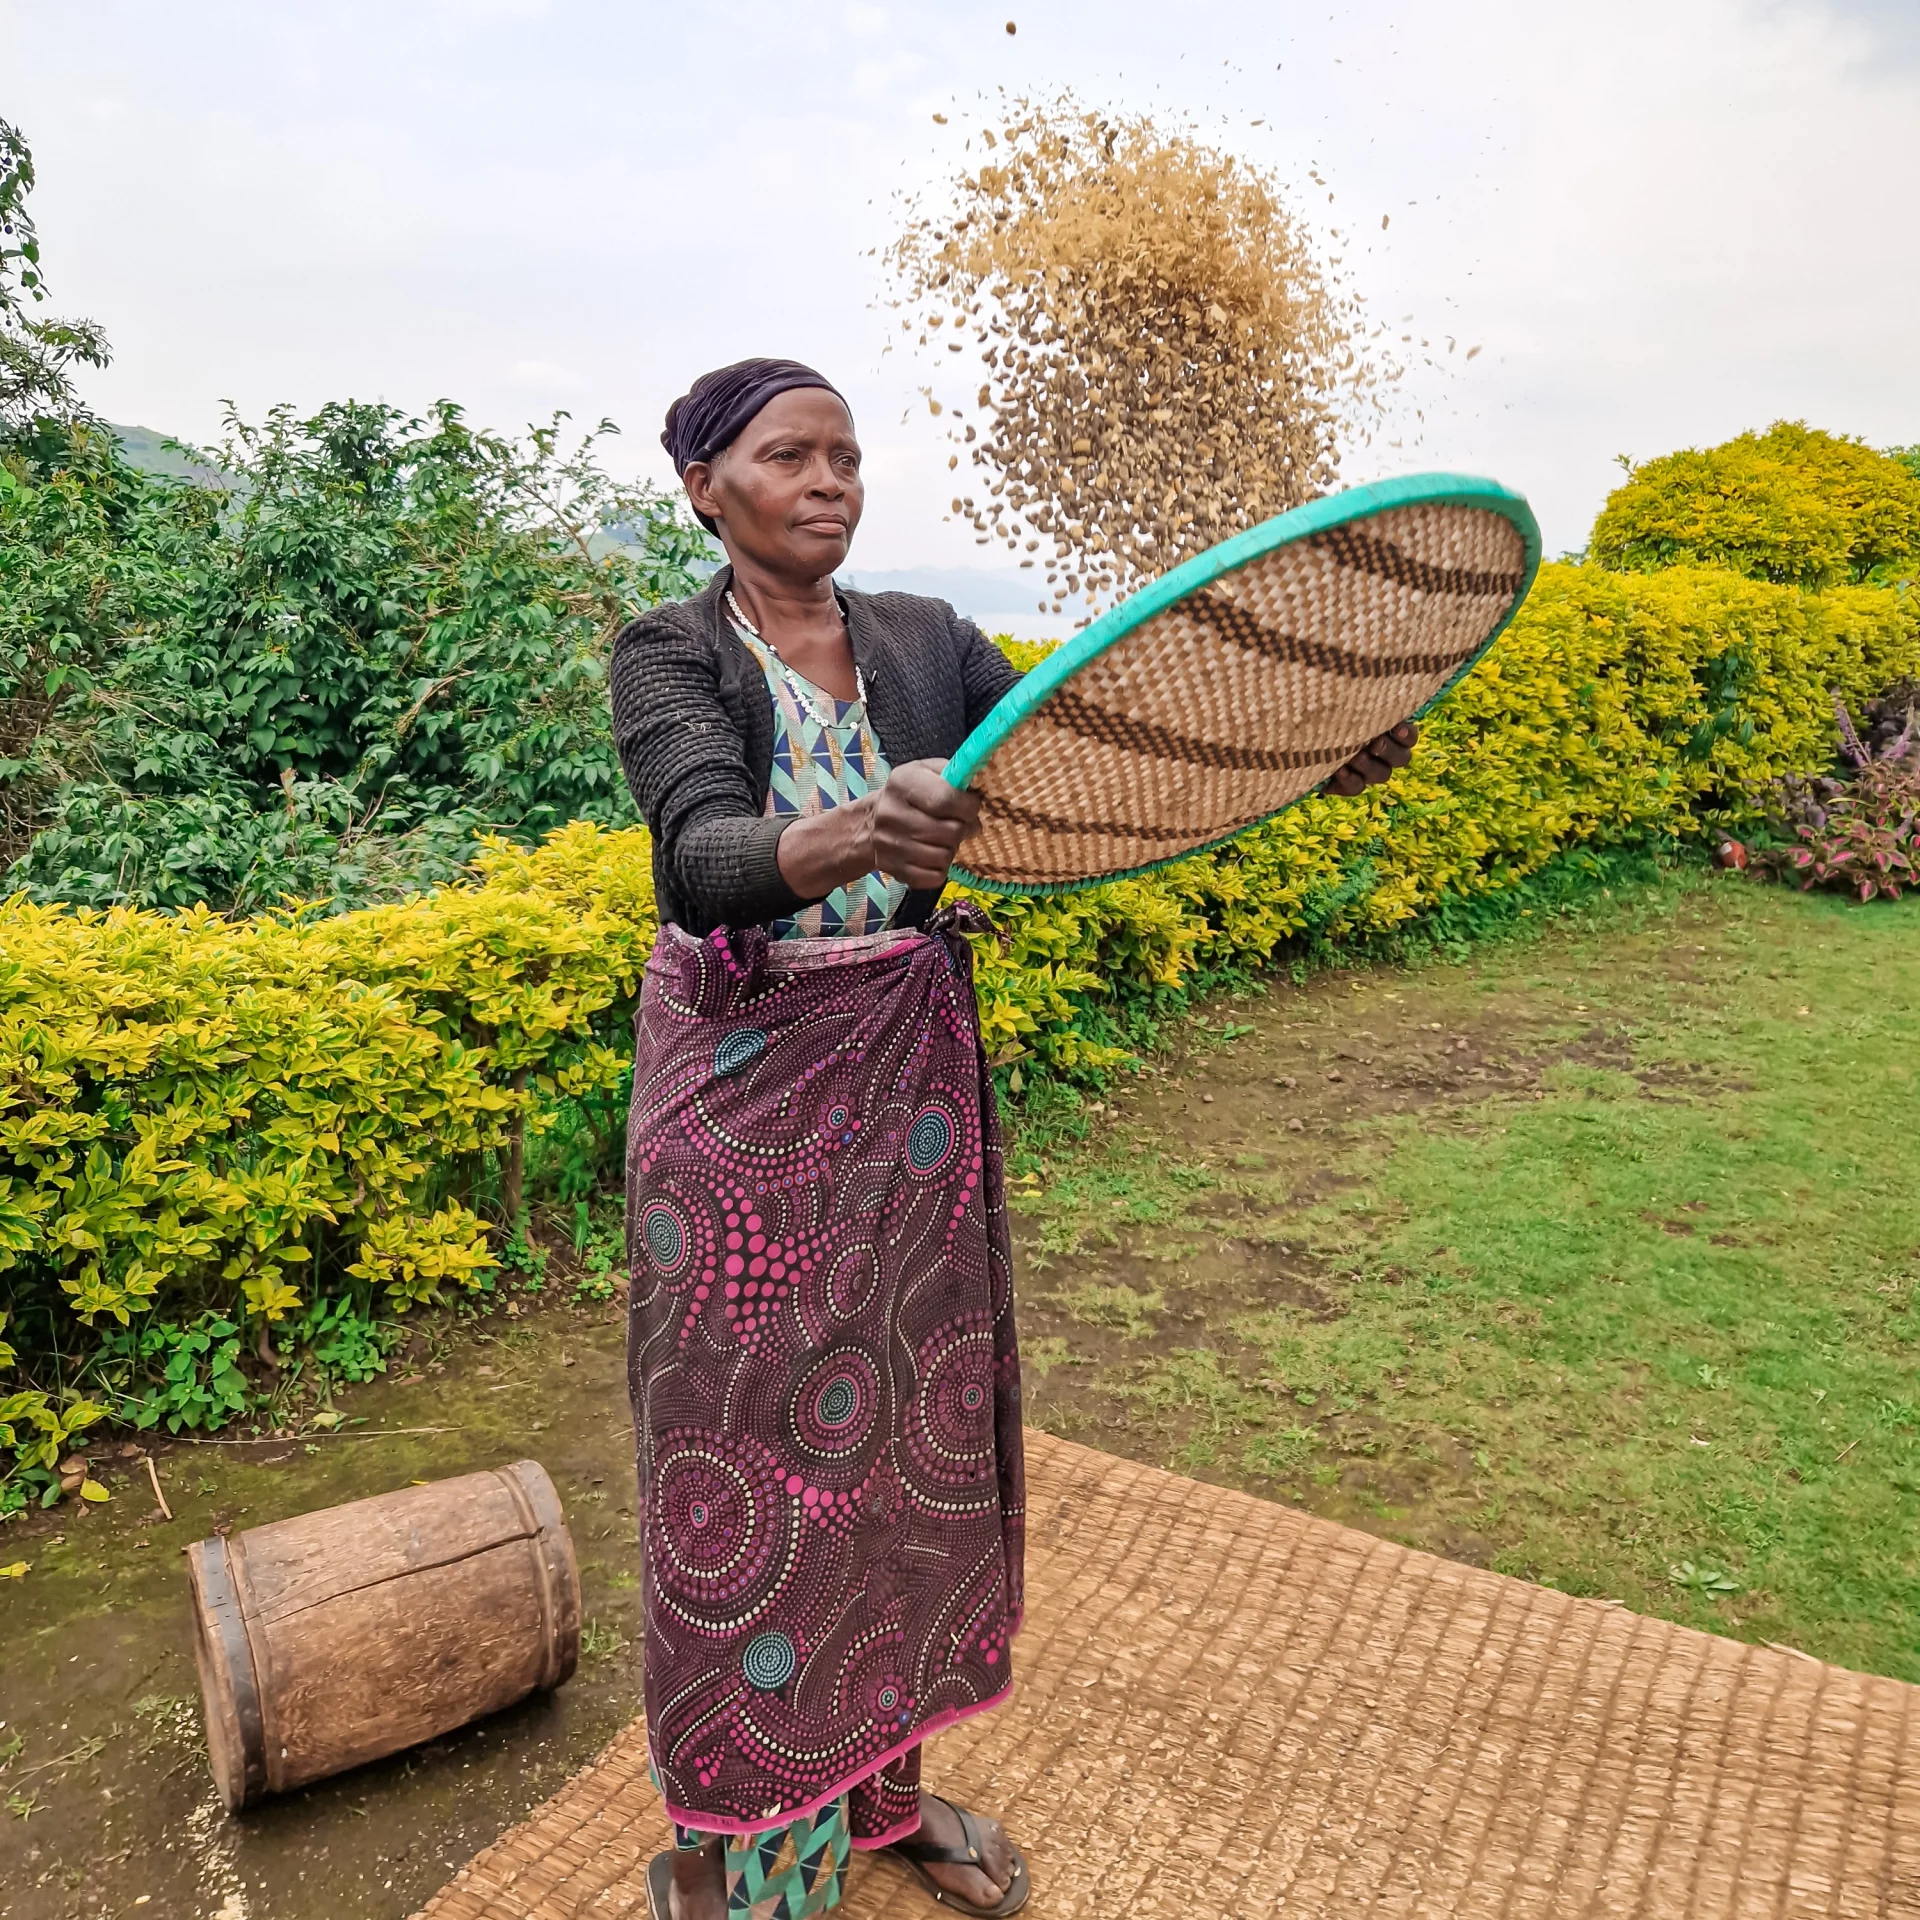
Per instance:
{"type": "Point", "coordinates": [380, 639]}
{"type": "Point", "coordinates": [1858, 830]}
{"type": "Point", "coordinates": [346, 1341]}
{"type": "Point", "coordinates": [320, 664]}
{"type": "Point", "coordinates": [203, 1116]}
{"type": "Point", "coordinates": [1791, 505]}
{"type": "Point", "coordinates": [200, 1382]}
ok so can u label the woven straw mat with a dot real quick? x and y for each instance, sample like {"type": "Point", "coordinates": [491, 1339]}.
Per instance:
{"type": "Point", "coordinates": [1243, 696]}
{"type": "Point", "coordinates": [1225, 1707]}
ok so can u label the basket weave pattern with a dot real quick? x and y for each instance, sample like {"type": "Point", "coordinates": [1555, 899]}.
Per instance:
{"type": "Point", "coordinates": [1226, 1707]}
{"type": "Point", "coordinates": [1245, 695]}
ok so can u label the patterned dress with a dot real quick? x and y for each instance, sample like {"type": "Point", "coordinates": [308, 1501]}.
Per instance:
{"type": "Point", "coordinates": [821, 1357]}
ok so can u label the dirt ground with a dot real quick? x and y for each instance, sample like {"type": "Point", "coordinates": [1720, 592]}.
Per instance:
{"type": "Point", "coordinates": [1139, 1247]}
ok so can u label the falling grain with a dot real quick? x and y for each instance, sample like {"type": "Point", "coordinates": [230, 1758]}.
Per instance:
{"type": "Point", "coordinates": [1166, 361]}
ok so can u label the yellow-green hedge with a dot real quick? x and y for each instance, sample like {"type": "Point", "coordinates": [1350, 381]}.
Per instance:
{"type": "Point", "coordinates": [191, 1107]}
{"type": "Point", "coordinates": [1616, 706]}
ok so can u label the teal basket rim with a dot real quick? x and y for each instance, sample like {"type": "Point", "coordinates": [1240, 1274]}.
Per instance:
{"type": "Point", "coordinates": [1299, 523]}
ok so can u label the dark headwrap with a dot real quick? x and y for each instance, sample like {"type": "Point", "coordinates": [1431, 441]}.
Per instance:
{"type": "Point", "coordinates": [710, 415]}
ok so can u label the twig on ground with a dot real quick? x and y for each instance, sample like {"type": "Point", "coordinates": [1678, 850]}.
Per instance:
{"type": "Point", "coordinates": [153, 1474]}
{"type": "Point", "coordinates": [1844, 1451]}
{"type": "Point", "coordinates": [86, 1750]}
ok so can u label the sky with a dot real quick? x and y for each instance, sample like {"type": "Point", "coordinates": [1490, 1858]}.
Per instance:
{"type": "Point", "coordinates": [1661, 221]}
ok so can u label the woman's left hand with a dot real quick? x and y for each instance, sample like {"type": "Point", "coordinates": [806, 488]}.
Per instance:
{"type": "Point", "coordinates": [1377, 762]}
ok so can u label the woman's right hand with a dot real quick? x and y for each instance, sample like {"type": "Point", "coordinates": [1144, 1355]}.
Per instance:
{"type": "Point", "coordinates": [909, 830]}
{"type": "Point", "coordinates": [919, 822]}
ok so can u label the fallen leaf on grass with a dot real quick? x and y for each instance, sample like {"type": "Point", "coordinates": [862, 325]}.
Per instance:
{"type": "Point", "coordinates": [18, 1571]}
{"type": "Point", "coordinates": [93, 1490]}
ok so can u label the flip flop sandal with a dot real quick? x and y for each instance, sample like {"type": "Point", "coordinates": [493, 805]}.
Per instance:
{"type": "Point", "coordinates": [660, 1886]}
{"type": "Point", "coordinates": [917, 1855]}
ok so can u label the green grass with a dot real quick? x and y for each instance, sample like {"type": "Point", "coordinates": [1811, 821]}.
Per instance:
{"type": "Point", "coordinates": [1639, 1323]}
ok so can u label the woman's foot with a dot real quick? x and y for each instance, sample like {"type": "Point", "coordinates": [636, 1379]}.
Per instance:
{"type": "Point", "coordinates": [981, 1886]}
{"type": "Point", "coordinates": [700, 1883]}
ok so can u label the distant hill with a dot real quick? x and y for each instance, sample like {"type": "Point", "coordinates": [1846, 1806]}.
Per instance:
{"type": "Point", "coordinates": [978, 593]}
{"type": "Point", "coordinates": [146, 449]}
{"type": "Point", "coordinates": [971, 589]}
{"type": "Point", "coordinates": [1002, 603]}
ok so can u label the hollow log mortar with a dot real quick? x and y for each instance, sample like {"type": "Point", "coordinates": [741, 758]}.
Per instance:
{"type": "Point", "coordinates": [339, 1637]}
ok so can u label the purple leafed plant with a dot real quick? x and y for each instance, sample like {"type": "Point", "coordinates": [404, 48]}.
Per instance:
{"type": "Point", "coordinates": [1856, 828]}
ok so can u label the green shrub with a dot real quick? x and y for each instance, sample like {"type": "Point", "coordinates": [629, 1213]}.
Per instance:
{"type": "Point", "coordinates": [325, 675]}
{"type": "Point", "coordinates": [321, 662]}
{"type": "Point", "coordinates": [1792, 505]}
{"type": "Point", "coordinates": [203, 1116]}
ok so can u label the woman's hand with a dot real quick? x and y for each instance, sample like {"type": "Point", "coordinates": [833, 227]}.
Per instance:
{"type": "Point", "coordinates": [909, 830]}
{"type": "Point", "coordinates": [919, 822]}
{"type": "Point", "coordinates": [1377, 762]}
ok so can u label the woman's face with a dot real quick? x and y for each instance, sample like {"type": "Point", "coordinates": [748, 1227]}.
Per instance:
{"type": "Point", "coordinates": [787, 493]}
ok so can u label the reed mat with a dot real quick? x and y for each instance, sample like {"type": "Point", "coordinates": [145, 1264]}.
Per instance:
{"type": "Point", "coordinates": [1226, 1707]}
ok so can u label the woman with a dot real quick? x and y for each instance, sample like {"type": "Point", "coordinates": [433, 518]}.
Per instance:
{"type": "Point", "coordinates": [825, 1383]}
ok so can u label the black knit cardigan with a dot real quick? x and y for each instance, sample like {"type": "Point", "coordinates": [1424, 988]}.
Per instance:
{"type": "Point", "coordinates": [693, 721]}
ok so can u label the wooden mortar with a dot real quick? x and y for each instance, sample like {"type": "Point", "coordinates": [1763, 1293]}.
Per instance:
{"type": "Point", "coordinates": [341, 1636]}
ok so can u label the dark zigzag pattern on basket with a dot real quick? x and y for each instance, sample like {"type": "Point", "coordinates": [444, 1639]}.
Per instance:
{"type": "Point", "coordinates": [1363, 552]}
{"type": "Point", "coordinates": [1234, 622]}
{"type": "Point", "coordinates": [993, 807]}
{"type": "Point", "coordinates": [1148, 738]}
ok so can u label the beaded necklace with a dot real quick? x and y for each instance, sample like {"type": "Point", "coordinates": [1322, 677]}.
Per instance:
{"type": "Point", "coordinates": [804, 689]}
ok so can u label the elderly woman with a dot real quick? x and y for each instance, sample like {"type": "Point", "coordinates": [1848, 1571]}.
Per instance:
{"type": "Point", "coordinates": [825, 1385]}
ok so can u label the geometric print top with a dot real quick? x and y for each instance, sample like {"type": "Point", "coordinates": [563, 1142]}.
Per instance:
{"type": "Point", "coordinates": [825, 754]}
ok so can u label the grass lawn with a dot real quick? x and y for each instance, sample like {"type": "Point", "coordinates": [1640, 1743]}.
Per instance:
{"type": "Point", "coordinates": [1592, 1259]}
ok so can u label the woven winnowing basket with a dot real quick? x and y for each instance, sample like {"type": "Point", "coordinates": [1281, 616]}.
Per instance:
{"type": "Point", "coordinates": [1230, 689]}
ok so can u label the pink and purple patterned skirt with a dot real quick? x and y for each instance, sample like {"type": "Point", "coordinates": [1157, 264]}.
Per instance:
{"type": "Point", "coordinates": [826, 1389]}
